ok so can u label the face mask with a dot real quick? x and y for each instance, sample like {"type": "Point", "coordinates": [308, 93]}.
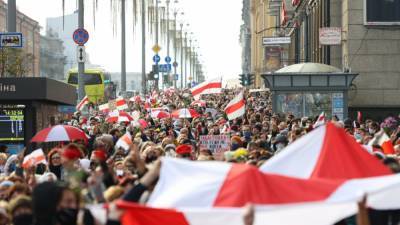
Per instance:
{"type": "Point", "coordinates": [357, 136]}
{"type": "Point", "coordinates": [371, 131]}
{"type": "Point", "coordinates": [24, 219]}
{"type": "Point", "coordinates": [67, 216]}
{"type": "Point", "coordinates": [235, 146]}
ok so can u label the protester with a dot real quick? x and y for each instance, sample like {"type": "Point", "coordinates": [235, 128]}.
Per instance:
{"type": "Point", "coordinates": [121, 160]}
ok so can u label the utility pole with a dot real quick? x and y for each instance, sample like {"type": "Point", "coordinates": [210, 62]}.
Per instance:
{"type": "Point", "coordinates": [181, 55]}
{"type": "Point", "coordinates": [168, 1]}
{"type": "Point", "coordinates": [175, 49]}
{"type": "Point", "coordinates": [186, 55]}
{"type": "Point", "coordinates": [123, 49]}
{"type": "Point", "coordinates": [144, 82]}
{"type": "Point", "coordinates": [81, 65]}
{"type": "Point", "coordinates": [190, 61]}
{"type": "Point", "coordinates": [12, 16]}
{"type": "Point", "coordinates": [156, 80]}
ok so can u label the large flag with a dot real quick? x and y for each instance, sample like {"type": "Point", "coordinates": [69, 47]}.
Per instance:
{"type": "Point", "coordinates": [236, 107]}
{"type": "Point", "coordinates": [383, 140]}
{"type": "Point", "coordinates": [208, 87]}
{"type": "Point", "coordinates": [326, 152]}
{"type": "Point", "coordinates": [82, 103]}
{"type": "Point", "coordinates": [36, 157]}
{"type": "Point", "coordinates": [187, 184]}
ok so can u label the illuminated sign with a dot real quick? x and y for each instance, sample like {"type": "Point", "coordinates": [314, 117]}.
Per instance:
{"type": "Point", "coordinates": [11, 124]}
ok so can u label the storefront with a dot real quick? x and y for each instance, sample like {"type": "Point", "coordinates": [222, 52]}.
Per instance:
{"type": "Point", "coordinates": [307, 89]}
{"type": "Point", "coordinates": [28, 105]}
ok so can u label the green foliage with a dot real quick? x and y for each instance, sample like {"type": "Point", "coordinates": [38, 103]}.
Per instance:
{"type": "Point", "coordinates": [15, 62]}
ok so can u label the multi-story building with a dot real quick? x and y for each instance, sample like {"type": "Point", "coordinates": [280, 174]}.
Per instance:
{"type": "Point", "coordinates": [369, 44]}
{"type": "Point", "coordinates": [52, 56]}
{"type": "Point", "coordinates": [65, 27]}
{"type": "Point", "coordinates": [30, 30]}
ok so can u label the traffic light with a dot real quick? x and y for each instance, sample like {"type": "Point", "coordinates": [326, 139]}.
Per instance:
{"type": "Point", "coordinates": [242, 78]}
{"type": "Point", "coordinates": [150, 76]}
{"type": "Point", "coordinates": [250, 79]}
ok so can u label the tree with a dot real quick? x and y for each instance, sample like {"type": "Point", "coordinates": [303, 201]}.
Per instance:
{"type": "Point", "coordinates": [15, 62]}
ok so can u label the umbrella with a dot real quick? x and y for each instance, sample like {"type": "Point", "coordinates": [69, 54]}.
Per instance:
{"type": "Point", "coordinates": [59, 133]}
{"type": "Point", "coordinates": [200, 103]}
{"type": "Point", "coordinates": [118, 116]}
{"type": "Point", "coordinates": [185, 113]}
{"type": "Point", "coordinates": [160, 114]}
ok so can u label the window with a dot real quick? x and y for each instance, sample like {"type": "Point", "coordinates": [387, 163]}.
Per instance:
{"type": "Point", "coordinates": [90, 78]}
{"type": "Point", "coordinates": [382, 12]}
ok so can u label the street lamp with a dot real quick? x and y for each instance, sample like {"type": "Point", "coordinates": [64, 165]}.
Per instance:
{"type": "Point", "coordinates": [175, 63]}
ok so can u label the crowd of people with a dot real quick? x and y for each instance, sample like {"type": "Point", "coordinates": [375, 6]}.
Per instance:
{"type": "Point", "coordinates": [98, 171]}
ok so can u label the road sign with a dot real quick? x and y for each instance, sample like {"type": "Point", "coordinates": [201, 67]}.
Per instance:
{"type": "Point", "coordinates": [156, 48]}
{"type": "Point", "coordinates": [175, 64]}
{"type": "Point", "coordinates": [11, 40]}
{"type": "Point", "coordinates": [156, 58]}
{"type": "Point", "coordinates": [80, 36]}
{"type": "Point", "coordinates": [167, 59]}
{"type": "Point", "coordinates": [164, 68]}
{"type": "Point", "coordinates": [81, 54]}
{"type": "Point", "coordinates": [176, 77]}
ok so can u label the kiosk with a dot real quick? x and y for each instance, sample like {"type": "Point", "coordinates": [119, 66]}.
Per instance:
{"type": "Point", "coordinates": [28, 105]}
{"type": "Point", "coordinates": [307, 89]}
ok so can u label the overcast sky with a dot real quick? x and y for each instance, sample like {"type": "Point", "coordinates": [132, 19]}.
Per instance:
{"type": "Point", "coordinates": [215, 24]}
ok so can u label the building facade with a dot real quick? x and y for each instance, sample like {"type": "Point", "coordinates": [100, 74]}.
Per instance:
{"type": "Point", "coordinates": [52, 56]}
{"type": "Point", "coordinates": [30, 30]}
{"type": "Point", "coordinates": [369, 44]}
{"type": "Point", "coordinates": [65, 27]}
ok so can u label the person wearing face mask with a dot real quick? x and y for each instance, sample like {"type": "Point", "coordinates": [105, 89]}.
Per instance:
{"type": "Point", "coordinates": [236, 143]}
{"type": "Point", "coordinates": [20, 210]}
{"type": "Point", "coordinates": [373, 128]}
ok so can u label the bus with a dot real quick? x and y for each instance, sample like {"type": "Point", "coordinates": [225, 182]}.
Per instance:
{"type": "Point", "coordinates": [98, 85]}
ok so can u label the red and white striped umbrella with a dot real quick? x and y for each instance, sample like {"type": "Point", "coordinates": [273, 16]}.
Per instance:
{"type": "Point", "coordinates": [200, 103]}
{"type": "Point", "coordinates": [118, 116]}
{"type": "Point", "coordinates": [59, 133]}
{"type": "Point", "coordinates": [185, 113]}
{"type": "Point", "coordinates": [160, 114]}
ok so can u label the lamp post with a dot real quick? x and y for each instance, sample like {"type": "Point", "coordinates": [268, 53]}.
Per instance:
{"type": "Point", "coordinates": [144, 82]}
{"type": "Point", "coordinates": [123, 48]}
{"type": "Point", "coordinates": [181, 55]}
{"type": "Point", "coordinates": [176, 12]}
{"type": "Point", "coordinates": [168, 2]}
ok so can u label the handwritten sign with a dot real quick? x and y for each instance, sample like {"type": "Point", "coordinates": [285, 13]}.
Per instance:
{"type": "Point", "coordinates": [217, 144]}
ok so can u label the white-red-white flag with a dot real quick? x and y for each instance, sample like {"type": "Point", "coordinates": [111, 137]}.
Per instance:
{"type": "Point", "coordinates": [104, 107]}
{"type": "Point", "coordinates": [320, 121]}
{"type": "Point", "coordinates": [213, 86]}
{"type": "Point", "coordinates": [120, 103]}
{"type": "Point", "coordinates": [36, 157]}
{"type": "Point", "coordinates": [383, 140]}
{"type": "Point", "coordinates": [82, 103]}
{"type": "Point", "coordinates": [125, 141]}
{"type": "Point", "coordinates": [236, 107]}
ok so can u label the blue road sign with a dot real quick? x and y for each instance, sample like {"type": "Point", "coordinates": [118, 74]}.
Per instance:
{"type": "Point", "coordinates": [176, 77]}
{"type": "Point", "coordinates": [164, 68]}
{"type": "Point", "coordinates": [168, 59]}
{"type": "Point", "coordinates": [80, 36]}
{"type": "Point", "coordinates": [156, 58]}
